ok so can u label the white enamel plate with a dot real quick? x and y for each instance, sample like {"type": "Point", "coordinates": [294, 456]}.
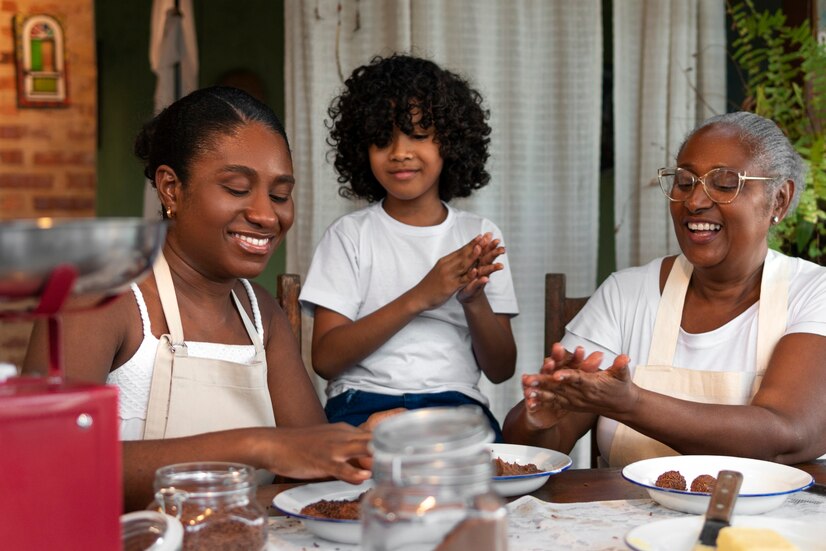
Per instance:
{"type": "Point", "coordinates": [290, 502]}
{"type": "Point", "coordinates": [680, 534]}
{"type": "Point", "coordinates": [766, 485]}
{"type": "Point", "coordinates": [548, 461]}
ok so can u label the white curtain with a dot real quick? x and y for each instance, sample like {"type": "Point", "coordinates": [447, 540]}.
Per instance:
{"type": "Point", "coordinates": [173, 46]}
{"type": "Point", "coordinates": [669, 75]}
{"type": "Point", "coordinates": [538, 65]}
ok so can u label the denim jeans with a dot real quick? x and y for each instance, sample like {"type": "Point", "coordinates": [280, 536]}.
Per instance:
{"type": "Point", "coordinates": [355, 406]}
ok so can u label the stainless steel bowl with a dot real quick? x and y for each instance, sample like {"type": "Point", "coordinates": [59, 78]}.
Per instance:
{"type": "Point", "coordinates": [107, 253]}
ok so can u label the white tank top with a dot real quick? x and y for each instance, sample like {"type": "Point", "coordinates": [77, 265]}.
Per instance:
{"type": "Point", "coordinates": [134, 377]}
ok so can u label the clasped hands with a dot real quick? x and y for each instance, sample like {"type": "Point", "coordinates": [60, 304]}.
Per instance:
{"type": "Point", "coordinates": [574, 382]}
{"type": "Point", "coordinates": [464, 272]}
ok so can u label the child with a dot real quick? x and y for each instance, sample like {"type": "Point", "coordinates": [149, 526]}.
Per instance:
{"type": "Point", "coordinates": [408, 302]}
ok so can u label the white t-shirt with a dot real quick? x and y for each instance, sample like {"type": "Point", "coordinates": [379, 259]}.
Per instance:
{"type": "Point", "coordinates": [619, 319]}
{"type": "Point", "coordinates": [367, 259]}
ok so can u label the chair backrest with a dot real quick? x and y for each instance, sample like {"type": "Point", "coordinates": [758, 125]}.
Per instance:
{"type": "Point", "coordinates": [559, 309]}
{"type": "Point", "coordinates": [288, 287]}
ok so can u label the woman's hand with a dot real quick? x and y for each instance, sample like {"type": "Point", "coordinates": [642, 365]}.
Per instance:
{"type": "Point", "coordinates": [608, 392]}
{"type": "Point", "coordinates": [480, 273]}
{"type": "Point", "coordinates": [542, 407]}
{"type": "Point", "coordinates": [319, 451]}
{"type": "Point", "coordinates": [378, 417]}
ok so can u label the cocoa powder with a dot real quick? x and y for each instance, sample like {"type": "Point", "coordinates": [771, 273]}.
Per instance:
{"type": "Point", "coordinates": [233, 528]}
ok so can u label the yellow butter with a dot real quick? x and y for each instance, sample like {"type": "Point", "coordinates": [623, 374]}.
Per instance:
{"type": "Point", "coordinates": [739, 538]}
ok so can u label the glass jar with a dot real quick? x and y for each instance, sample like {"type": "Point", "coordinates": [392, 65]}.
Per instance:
{"type": "Point", "coordinates": [433, 484]}
{"type": "Point", "coordinates": [150, 531]}
{"type": "Point", "coordinates": [215, 503]}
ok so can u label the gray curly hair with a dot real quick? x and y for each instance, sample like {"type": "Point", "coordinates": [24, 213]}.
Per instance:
{"type": "Point", "coordinates": [770, 149]}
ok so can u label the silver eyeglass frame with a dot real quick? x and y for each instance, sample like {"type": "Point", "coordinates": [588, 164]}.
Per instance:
{"type": "Point", "coordinates": [672, 171]}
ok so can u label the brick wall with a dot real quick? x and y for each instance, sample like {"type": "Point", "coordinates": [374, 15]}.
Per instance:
{"type": "Point", "coordinates": [47, 155]}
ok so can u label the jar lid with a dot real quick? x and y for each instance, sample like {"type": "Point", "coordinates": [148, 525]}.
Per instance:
{"type": "Point", "coordinates": [214, 478]}
{"type": "Point", "coordinates": [433, 432]}
{"type": "Point", "coordinates": [150, 531]}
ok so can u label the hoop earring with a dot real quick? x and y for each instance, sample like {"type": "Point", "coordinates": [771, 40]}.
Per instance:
{"type": "Point", "coordinates": [775, 219]}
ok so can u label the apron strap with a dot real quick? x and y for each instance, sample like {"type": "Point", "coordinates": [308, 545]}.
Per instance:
{"type": "Point", "coordinates": [670, 313]}
{"type": "Point", "coordinates": [171, 344]}
{"type": "Point", "coordinates": [772, 315]}
{"type": "Point", "coordinates": [169, 302]}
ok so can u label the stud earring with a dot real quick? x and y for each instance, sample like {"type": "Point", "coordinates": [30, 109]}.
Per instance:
{"type": "Point", "coordinates": [169, 212]}
{"type": "Point", "coordinates": [775, 219]}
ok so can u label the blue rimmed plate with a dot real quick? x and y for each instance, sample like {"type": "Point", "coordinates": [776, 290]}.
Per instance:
{"type": "Point", "coordinates": [548, 461]}
{"type": "Point", "coordinates": [766, 485]}
{"type": "Point", "coordinates": [290, 502]}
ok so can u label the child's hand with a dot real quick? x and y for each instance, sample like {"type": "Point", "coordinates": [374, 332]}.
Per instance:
{"type": "Point", "coordinates": [480, 274]}
{"type": "Point", "coordinates": [451, 273]}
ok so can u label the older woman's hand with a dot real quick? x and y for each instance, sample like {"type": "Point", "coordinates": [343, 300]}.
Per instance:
{"type": "Point", "coordinates": [542, 406]}
{"type": "Point", "coordinates": [595, 391]}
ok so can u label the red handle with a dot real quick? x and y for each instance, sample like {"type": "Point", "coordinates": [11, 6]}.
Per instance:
{"type": "Point", "coordinates": [56, 290]}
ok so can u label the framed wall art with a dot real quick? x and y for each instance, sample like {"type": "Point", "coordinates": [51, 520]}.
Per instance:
{"type": "Point", "coordinates": [40, 55]}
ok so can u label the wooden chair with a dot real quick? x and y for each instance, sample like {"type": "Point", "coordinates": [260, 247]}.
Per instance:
{"type": "Point", "coordinates": [288, 287]}
{"type": "Point", "coordinates": [559, 310]}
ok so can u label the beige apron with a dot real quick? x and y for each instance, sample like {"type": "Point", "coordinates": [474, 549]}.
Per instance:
{"type": "Point", "coordinates": [192, 395]}
{"type": "Point", "coordinates": [734, 388]}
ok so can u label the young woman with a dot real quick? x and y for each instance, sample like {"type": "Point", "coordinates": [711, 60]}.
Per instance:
{"type": "Point", "coordinates": [222, 167]}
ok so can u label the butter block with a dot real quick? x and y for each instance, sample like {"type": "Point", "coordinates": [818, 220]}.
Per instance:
{"type": "Point", "coordinates": [740, 538]}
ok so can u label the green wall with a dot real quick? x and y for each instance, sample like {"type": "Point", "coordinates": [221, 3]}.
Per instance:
{"type": "Point", "coordinates": [231, 35]}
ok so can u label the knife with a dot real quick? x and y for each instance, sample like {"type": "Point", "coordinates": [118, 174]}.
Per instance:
{"type": "Point", "coordinates": [720, 506]}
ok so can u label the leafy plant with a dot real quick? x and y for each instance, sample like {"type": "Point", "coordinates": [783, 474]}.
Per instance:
{"type": "Point", "coordinates": [784, 74]}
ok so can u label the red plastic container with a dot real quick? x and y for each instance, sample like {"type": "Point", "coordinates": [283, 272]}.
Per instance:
{"type": "Point", "coordinates": [60, 466]}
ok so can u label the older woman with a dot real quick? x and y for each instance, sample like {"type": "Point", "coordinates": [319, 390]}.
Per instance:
{"type": "Point", "coordinates": [720, 350]}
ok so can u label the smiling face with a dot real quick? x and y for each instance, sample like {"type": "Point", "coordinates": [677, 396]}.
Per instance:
{"type": "Point", "coordinates": [408, 167]}
{"type": "Point", "coordinates": [237, 204]}
{"type": "Point", "coordinates": [731, 237]}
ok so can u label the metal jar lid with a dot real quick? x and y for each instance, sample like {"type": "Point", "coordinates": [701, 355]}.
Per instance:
{"type": "Point", "coordinates": [432, 431]}
{"type": "Point", "coordinates": [433, 446]}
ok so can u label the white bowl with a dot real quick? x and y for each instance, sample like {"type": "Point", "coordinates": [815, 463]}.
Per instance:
{"type": "Point", "coordinates": [680, 534]}
{"type": "Point", "coordinates": [766, 485]}
{"type": "Point", "coordinates": [290, 502]}
{"type": "Point", "coordinates": [548, 461]}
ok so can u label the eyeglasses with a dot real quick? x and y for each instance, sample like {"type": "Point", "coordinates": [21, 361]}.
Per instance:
{"type": "Point", "coordinates": [721, 185]}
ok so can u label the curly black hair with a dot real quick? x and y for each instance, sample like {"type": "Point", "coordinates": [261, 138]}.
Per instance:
{"type": "Point", "coordinates": [389, 92]}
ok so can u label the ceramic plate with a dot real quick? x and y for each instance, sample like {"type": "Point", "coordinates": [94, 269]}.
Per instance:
{"type": "Point", "coordinates": [290, 502]}
{"type": "Point", "coordinates": [765, 486]}
{"type": "Point", "coordinates": [549, 462]}
{"type": "Point", "coordinates": [680, 534]}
